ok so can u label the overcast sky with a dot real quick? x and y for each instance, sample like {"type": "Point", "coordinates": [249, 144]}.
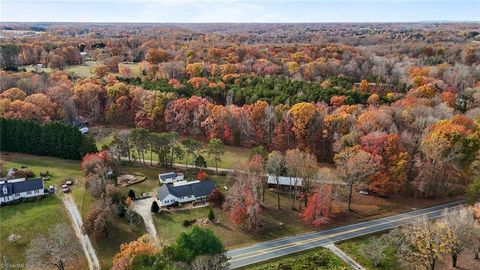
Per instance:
{"type": "Point", "coordinates": [238, 10]}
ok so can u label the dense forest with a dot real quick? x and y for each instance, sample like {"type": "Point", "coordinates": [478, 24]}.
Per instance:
{"type": "Point", "coordinates": [407, 94]}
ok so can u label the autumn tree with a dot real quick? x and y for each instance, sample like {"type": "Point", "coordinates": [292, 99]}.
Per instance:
{"type": "Point", "coordinates": [59, 248]}
{"type": "Point", "coordinates": [449, 148]}
{"type": "Point", "coordinates": [156, 55]}
{"type": "Point", "coordinates": [354, 166]}
{"type": "Point", "coordinates": [301, 115]}
{"type": "Point", "coordinates": [421, 244]}
{"type": "Point", "coordinates": [319, 207]}
{"type": "Point", "coordinates": [99, 218]}
{"type": "Point", "coordinates": [243, 201]}
{"type": "Point", "coordinates": [128, 251]}
{"type": "Point", "coordinates": [96, 167]}
{"type": "Point", "coordinates": [100, 70]}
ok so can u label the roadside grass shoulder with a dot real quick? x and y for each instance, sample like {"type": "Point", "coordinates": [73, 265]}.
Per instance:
{"type": "Point", "coordinates": [320, 258]}
{"type": "Point", "coordinates": [353, 249]}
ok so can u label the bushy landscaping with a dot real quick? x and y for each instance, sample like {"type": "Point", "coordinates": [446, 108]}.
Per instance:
{"type": "Point", "coordinates": [320, 259]}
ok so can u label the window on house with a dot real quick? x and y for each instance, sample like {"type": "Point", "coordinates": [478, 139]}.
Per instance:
{"type": "Point", "coordinates": [17, 194]}
{"type": "Point", "coordinates": [29, 192]}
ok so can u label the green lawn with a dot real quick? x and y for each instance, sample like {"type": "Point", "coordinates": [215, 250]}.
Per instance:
{"type": "Point", "coordinates": [320, 259]}
{"type": "Point", "coordinates": [169, 225]}
{"type": "Point", "coordinates": [233, 155]}
{"type": "Point", "coordinates": [352, 248]}
{"type": "Point", "coordinates": [29, 220]}
{"type": "Point", "coordinates": [59, 169]}
{"type": "Point", "coordinates": [119, 234]}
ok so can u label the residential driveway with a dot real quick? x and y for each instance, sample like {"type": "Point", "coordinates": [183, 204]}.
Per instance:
{"type": "Point", "coordinates": [142, 207]}
{"type": "Point", "coordinates": [93, 262]}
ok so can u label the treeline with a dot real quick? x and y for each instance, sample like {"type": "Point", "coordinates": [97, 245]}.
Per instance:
{"type": "Point", "coordinates": [249, 89]}
{"type": "Point", "coordinates": [50, 139]}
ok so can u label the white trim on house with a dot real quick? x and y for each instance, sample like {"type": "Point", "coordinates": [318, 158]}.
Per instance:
{"type": "Point", "coordinates": [170, 177]}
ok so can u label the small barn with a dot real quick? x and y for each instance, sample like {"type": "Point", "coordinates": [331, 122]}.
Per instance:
{"type": "Point", "coordinates": [285, 182]}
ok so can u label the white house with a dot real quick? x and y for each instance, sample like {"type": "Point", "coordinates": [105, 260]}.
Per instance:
{"type": "Point", "coordinates": [184, 191]}
{"type": "Point", "coordinates": [284, 181]}
{"type": "Point", "coordinates": [15, 189]}
{"type": "Point", "coordinates": [170, 177]}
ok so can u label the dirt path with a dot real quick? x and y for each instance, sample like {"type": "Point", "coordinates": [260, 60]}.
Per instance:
{"type": "Point", "coordinates": [93, 263]}
{"type": "Point", "coordinates": [142, 207]}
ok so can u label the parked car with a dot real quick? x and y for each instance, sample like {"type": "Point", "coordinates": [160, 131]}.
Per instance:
{"type": "Point", "coordinates": [66, 190]}
{"type": "Point", "coordinates": [69, 183]}
{"type": "Point", "coordinates": [65, 186]}
{"type": "Point", "coordinates": [363, 192]}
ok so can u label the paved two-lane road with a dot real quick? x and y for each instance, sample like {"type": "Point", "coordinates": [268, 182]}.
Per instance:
{"type": "Point", "coordinates": [284, 246]}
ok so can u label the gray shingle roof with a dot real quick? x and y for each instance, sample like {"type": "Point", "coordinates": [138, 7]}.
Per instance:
{"type": "Point", "coordinates": [167, 175]}
{"type": "Point", "coordinates": [21, 186]}
{"type": "Point", "coordinates": [199, 189]}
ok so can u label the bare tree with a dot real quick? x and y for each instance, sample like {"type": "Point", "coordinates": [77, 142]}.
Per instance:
{"type": "Point", "coordinates": [211, 262]}
{"type": "Point", "coordinates": [463, 230]}
{"type": "Point", "coordinates": [59, 247]}
{"type": "Point", "coordinates": [375, 249]}
{"type": "Point", "coordinates": [275, 166]}
{"type": "Point", "coordinates": [354, 165]}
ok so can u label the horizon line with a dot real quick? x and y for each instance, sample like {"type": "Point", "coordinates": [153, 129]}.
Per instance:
{"type": "Point", "coordinates": [219, 22]}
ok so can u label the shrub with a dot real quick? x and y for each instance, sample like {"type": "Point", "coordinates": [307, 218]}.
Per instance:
{"type": "Point", "coordinates": [121, 209]}
{"type": "Point", "coordinates": [131, 194]}
{"type": "Point", "coordinates": [216, 198]}
{"type": "Point", "coordinates": [211, 215]}
{"type": "Point", "coordinates": [154, 208]}
{"type": "Point", "coordinates": [187, 222]}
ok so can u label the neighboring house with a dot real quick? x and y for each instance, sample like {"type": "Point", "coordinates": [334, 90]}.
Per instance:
{"type": "Point", "coordinates": [284, 181]}
{"type": "Point", "coordinates": [15, 189]}
{"type": "Point", "coordinates": [184, 191]}
{"type": "Point", "coordinates": [170, 177]}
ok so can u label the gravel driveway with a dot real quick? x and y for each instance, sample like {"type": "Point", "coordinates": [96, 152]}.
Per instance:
{"type": "Point", "coordinates": [93, 263]}
{"type": "Point", "coordinates": [142, 207]}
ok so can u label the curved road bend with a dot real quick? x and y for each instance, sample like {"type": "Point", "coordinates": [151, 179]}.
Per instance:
{"type": "Point", "coordinates": [280, 247]}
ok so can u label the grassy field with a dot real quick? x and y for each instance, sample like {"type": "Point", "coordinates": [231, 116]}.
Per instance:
{"type": "Point", "coordinates": [59, 169]}
{"type": "Point", "coordinates": [277, 223]}
{"type": "Point", "coordinates": [233, 155]}
{"type": "Point", "coordinates": [118, 234]}
{"type": "Point", "coordinates": [353, 248]}
{"type": "Point", "coordinates": [320, 259]}
{"type": "Point", "coordinates": [84, 70]}
{"type": "Point", "coordinates": [29, 220]}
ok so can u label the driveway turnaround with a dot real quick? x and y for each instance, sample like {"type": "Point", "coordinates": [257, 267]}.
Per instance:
{"type": "Point", "coordinates": [142, 207]}
{"type": "Point", "coordinates": [280, 247]}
